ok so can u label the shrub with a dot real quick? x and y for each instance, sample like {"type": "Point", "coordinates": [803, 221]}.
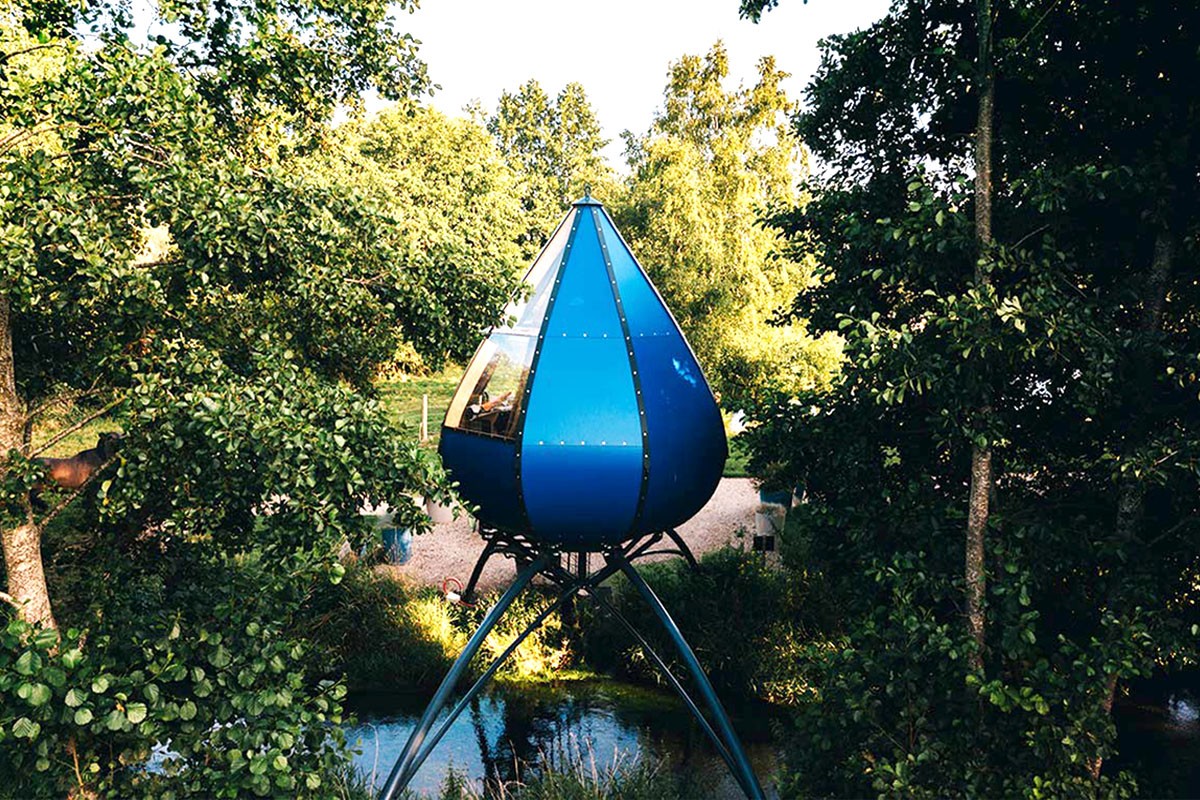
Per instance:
{"type": "Point", "coordinates": [739, 614]}
{"type": "Point", "coordinates": [193, 660]}
{"type": "Point", "coordinates": [383, 635]}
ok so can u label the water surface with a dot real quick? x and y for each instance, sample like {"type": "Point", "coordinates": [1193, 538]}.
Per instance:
{"type": "Point", "coordinates": [603, 722]}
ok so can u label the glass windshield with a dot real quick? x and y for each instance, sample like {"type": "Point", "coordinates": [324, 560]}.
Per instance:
{"type": "Point", "coordinates": [489, 398]}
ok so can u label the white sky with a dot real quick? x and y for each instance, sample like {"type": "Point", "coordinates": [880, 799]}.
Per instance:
{"type": "Point", "coordinates": [618, 49]}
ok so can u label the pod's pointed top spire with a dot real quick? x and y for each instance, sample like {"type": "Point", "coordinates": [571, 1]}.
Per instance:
{"type": "Point", "coordinates": [587, 199]}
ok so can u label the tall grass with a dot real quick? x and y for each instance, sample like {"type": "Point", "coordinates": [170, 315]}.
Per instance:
{"type": "Point", "coordinates": [570, 776]}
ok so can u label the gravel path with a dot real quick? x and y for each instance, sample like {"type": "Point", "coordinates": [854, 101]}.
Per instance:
{"type": "Point", "coordinates": [451, 549]}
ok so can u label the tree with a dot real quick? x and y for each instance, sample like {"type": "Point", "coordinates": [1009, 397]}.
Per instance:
{"type": "Point", "coordinates": [1062, 356]}
{"type": "Point", "coordinates": [237, 357]}
{"type": "Point", "coordinates": [456, 206]}
{"type": "Point", "coordinates": [980, 487]}
{"type": "Point", "coordinates": [712, 164]}
{"type": "Point", "coordinates": [554, 146]}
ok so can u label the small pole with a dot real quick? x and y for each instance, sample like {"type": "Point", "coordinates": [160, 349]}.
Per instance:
{"type": "Point", "coordinates": [424, 418]}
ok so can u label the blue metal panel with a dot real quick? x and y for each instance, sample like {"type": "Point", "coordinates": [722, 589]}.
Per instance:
{"type": "Point", "coordinates": [485, 470]}
{"type": "Point", "coordinates": [644, 309]}
{"type": "Point", "coordinates": [581, 496]}
{"type": "Point", "coordinates": [585, 306]}
{"type": "Point", "coordinates": [686, 435]}
{"type": "Point", "coordinates": [586, 396]}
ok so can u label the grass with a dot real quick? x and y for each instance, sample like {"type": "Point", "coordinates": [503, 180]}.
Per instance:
{"type": "Point", "coordinates": [736, 464]}
{"type": "Point", "coordinates": [64, 416]}
{"type": "Point", "coordinates": [401, 396]}
{"type": "Point", "coordinates": [575, 776]}
{"type": "Point", "coordinates": [379, 634]}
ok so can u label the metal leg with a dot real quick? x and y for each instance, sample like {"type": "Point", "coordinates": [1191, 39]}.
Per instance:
{"type": "Point", "coordinates": [481, 681]}
{"type": "Point", "coordinates": [684, 550]}
{"type": "Point", "coordinates": [675, 684]}
{"type": "Point", "coordinates": [748, 780]}
{"type": "Point", "coordinates": [401, 768]}
{"type": "Point", "coordinates": [489, 550]}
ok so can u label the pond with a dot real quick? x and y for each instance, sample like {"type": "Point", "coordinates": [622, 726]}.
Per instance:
{"type": "Point", "coordinates": [1158, 729]}
{"type": "Point", "coordinates": [601, 720]}
{"type": "Point", "coordinates": [1158, 735]}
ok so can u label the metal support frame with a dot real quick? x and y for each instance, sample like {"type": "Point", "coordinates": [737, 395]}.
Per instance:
{"type": "Point", "coordinates": [545, 561]}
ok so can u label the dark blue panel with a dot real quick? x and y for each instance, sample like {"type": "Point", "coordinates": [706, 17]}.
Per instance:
{"type": "Point", "coordinates": [585, 305]}
{"type": "Point", "coordinates": [686, 435]}
{"type": "Point", "coordinates": [644, 309]}
{"type": "Point", "coordinates": [583, 392]}
{"type": "Point", "coordinates": [485, 469]}
{"type": "Point", "coordinates": [582, 497]}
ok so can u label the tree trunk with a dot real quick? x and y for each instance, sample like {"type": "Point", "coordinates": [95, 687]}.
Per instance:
{"type": "Point", "coordinates": [1131, 492]}
{"type": "Point", "coordinates": [23, 542]}
{"type": "Point", "coordinates": [981, 456]}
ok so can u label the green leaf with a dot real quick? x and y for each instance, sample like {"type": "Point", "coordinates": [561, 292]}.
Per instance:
{"type": "Point", "coordinates": [25, 728]}
{"type": "Point", "coordinates": [40, 695]}
{"type": "Point", "coordinates": [28, 663]}
{"type": "Point", "coordinates": [83, 716]}
{"type": "Point", "coordinates": [136, 712]}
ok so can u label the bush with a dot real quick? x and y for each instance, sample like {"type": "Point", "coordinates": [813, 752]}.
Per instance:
{"type": "Point", "coordinates": [887, 711]}
{"type": "Point", "coordinates": [193, 660]}
{"type": "Point", "coordinates": [739, 615]}
{"type": "Point", "coordinates": [382, 635]}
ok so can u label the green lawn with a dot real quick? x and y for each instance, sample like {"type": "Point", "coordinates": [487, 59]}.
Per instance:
{"type": "Point", "coordinates": [402, 395]}
{"type": "Point", "coordinates": [735, 465]}
{"type": "Point", "coordinates": [84, 438]}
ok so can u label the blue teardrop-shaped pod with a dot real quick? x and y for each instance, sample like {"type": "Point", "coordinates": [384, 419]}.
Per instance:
{"type": "Point", "coordinates": [586, 420]}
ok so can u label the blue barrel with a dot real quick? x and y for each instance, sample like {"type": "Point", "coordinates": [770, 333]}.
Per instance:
{"type": "Point", "coordinates": [397, 545]}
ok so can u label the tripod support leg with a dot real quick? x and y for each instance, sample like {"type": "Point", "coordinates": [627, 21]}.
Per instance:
{"type": "Point", "coordinates": [743, 771]}
{"type": "Point", "coordinates": [400, 774]}
{"type": "Point", "coordinates": [684, 550]}
{"type": "Point", "coordinates": [670, 676]}
{"type": "Point", "coordinates": [432, 742]}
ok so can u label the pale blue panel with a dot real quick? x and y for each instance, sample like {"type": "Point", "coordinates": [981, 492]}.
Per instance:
{"type": "Point", "coordinates": [527, 313]}
{"type": "Point", "coordinates": [585, 305]}
{"type": "Point", "coordinates": [583, 393]}
{"type": "Point", "coordinates": [644, 310]}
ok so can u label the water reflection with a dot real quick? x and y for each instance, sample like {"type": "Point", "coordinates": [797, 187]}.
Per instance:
{"type": "Point", "coordinates": [1158, 735]}
{"type": "Point", "coordinates": [514, 728]}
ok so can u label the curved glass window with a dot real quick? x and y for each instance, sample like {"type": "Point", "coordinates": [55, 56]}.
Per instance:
{"type": "Point", "coordinates": [489, 398]}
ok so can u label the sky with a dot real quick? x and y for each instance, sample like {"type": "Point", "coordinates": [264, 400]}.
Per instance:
{"type": "Point", "coordinates": [619, 50]}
